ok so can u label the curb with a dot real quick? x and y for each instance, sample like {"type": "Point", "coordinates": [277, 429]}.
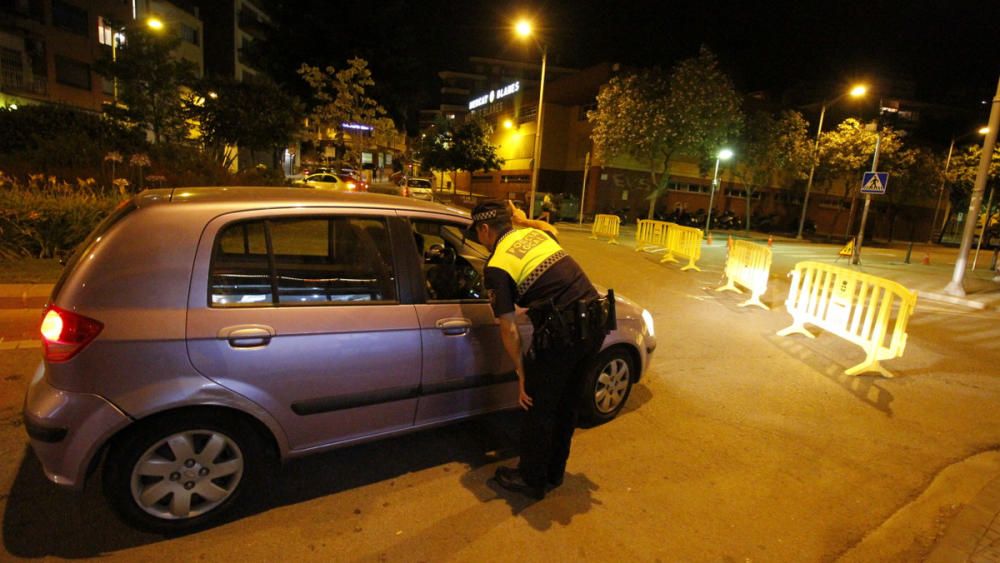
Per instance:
{"type": "Point", "coordinates": [24, 295]}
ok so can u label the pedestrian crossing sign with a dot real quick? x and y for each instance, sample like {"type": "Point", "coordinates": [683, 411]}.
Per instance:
{"type": "Point", "coordinates": [874, 182]}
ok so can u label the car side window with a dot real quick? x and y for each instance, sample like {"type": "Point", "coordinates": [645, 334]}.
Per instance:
{"type": "Point", "coordinates": [302, 261]}
{"type": "Point", "coordinates": [448, 276]}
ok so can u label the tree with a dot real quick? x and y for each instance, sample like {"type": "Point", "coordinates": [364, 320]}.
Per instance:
{"type": "Point", "coordinates": [342, 96]}
{"type": "Point", "coordinates": [847, 152]}
{"type": "Point", "coordinates": [653, 118]}
{"type": "Point", "coordinates": [451, 148]}
{"type": "Point", "coordinates": [962, 176]}
{"type": "Point", "coordinates": [229, 113]}
{"type": "Point", "coordinates": [150, 80]}
{"type": "Point", "coordinates": [771, 147]}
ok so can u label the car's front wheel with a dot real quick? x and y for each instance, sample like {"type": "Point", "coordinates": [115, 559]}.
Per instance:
{"type": "Point", "coordinates": [607, 386]}
{"type": "Point", "coordinates": [179, 473]}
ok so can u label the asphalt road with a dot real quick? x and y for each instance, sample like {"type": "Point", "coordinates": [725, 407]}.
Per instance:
{"type": "Point", "coordinates": [738, 446]}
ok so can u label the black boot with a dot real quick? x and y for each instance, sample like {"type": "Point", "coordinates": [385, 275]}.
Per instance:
{"type": "Point", "coordinates": [511, 479]}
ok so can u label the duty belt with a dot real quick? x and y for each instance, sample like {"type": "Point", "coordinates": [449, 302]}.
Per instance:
{"type": "Point", "coordinates": [554, 327]}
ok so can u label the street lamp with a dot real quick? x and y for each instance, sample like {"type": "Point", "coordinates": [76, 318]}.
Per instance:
{"type": "Point", "coordinates": [154, 23]}
{"type": "Point", "coordinates": [944, 179]}
{"type": "Point", "coordinates": [524, 29]}
{"type": "Point", "coordinates": [855, 92]}
{"type": "Point", "coordinates": [856, 257]}
{"type": "Point", "coordinates": [724, 154]}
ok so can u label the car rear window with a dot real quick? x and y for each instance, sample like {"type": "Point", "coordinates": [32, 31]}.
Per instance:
{"type": "Point", "coordinates": [302, 261]}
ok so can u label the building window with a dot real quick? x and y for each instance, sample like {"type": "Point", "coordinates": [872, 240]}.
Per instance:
{"type": "Point", "coordinates": [72, 73]}
{"type": "Point", "coordinates": [189, 34]}
{"type": "Point", "coordinates": [69, 17]}
{"type": "Point", "coordinates": [515, 179]}
{"type": "Point", "coordinates": [482, 179]}
{"type": "Point", "coordinates": [105, 33]}
{"type": "Point", "coordinates": [11, 68]}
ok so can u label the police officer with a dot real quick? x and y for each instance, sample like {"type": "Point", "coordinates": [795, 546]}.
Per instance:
{"type": "Point", "coordinates": [528, 267]}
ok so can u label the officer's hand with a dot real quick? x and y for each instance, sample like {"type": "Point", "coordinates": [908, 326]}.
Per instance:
{"type": "Point", "coordinates": [523, 399]}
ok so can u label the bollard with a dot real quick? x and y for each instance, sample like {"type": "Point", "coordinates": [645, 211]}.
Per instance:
{"type": "Point", "coordinates": [927, 259]}
{"type": "Point", "coordinates": [729, 244]}
{"type": "Point", "coordinates": [770, 241]}
{"type": "Point", "coordinates": [909, 251]}
{"type": "Point", "coordinates": [709, 238]}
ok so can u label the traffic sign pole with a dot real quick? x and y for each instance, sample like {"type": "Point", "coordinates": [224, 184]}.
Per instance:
{"type": "Point", "coordinates": [868, 197]}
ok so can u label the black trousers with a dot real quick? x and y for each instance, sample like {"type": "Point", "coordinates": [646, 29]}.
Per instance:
{"type": "Point", "coordinates": [553, 380]}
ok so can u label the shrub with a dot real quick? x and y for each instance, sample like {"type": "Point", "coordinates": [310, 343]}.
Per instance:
{"type": "Point", "coordinates": [50, 219]}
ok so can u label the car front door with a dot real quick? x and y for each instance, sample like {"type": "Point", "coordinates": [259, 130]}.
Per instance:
{"type": "Point", "coordinates": [299, 311]}
{"type": "Point", "coordinates": [465, 368]}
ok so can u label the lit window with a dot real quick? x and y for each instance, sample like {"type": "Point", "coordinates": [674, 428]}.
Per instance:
{"type": "Point", "coordinates": [105, 33]}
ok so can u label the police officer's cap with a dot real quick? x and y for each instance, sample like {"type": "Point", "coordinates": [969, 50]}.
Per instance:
{"type": "Point", "coordinates": [486, 211]}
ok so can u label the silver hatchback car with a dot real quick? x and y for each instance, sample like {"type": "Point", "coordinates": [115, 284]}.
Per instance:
{"type": "Point", "coordinates": [199, 335]}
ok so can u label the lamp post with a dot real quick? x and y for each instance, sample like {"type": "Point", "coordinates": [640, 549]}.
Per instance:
{"type": "Point", "coordinates": [724, 154]}
{"type": "Point", "coordinates": [944, 182]}
{"type": "Point", "coordinates": [956, 286]}
{"type": "Point", "coordinates": [525, 29]}
{"type": "Point", "coordinates": [855, 92]}
{"type": "Point", "coordinates": [117, 35]}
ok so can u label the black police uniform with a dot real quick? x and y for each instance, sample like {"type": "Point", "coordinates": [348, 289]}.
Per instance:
{"type": "Point", "coordinates": [569, 329]}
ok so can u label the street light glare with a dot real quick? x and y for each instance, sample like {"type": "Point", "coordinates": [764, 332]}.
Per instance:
{"type": "Point", "coordinates": [155, 23]}
{"type": "Point", "coordinates": [859, 90]}
{"type": "Point", "coordinates": [725, 154]}
{"type": "Point", "coordinates": [984, 130]}
{"type": "Point", "coordinates": [523, 28]}
{"type": "Point", "coordinates": [507, 124]}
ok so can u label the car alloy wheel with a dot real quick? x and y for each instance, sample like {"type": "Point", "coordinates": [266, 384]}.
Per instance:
{"type": "Point", "coordinates": [607, 386]}
{"type": "Point", "coordinates": [612, 386]}
{"type": "Point", "coordinates": [187, 474]}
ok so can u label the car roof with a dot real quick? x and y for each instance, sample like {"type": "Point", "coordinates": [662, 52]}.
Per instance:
{"type": "Point", "coordinates": [243, 198]}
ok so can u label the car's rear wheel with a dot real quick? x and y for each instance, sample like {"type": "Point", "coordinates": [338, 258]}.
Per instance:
{"type": "Point", "coordinates": [180, 473]}
{"type": "Point", "coordinates": [607, 386]}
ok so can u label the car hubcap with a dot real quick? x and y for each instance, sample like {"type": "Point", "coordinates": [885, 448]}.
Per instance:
{"type": "Point", "coordinates": [612, 383]}
{"type": "Point", "coordinates": [187, 474]}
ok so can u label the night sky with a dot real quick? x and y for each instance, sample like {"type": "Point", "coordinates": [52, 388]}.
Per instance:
{"type": "Point", "coordinates": [938, 51]}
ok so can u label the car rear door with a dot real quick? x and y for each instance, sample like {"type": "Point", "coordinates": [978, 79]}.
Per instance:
{"type": "Point", "coordinates": [299, 310]}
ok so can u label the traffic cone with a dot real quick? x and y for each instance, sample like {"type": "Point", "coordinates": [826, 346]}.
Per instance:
{"type": "Point", "coordinates": [729, 244]}
{"type": "Point", "coordinates": [770, 241]}
{"type": "Point", "coordinates": [709, 238]}
{"type": "Point", "coordinates": [927, 259]}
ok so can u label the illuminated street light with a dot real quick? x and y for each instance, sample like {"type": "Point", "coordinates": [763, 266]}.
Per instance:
{"type": "Point", "coordinates": [724, 154]}
{"type": "Point", "coordinates": [984, 130]}
{"type": "Point", "coordinates": [508, 124]}
{"type": "Point", "coordinates": [857, 91]}
{"type": "Point", "coordinates": [524, 29]}
{"type": "Point", "coordinates": [155, 23]}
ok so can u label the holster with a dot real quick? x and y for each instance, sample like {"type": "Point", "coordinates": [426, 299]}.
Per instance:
{"type": "Point", "coordinates": [562, 328]}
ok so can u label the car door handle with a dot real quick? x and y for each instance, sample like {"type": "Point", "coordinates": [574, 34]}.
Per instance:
{"type": "Point", "coordinates": [247, 336]}
{"type": "Point", "coordinates": [454, 326]}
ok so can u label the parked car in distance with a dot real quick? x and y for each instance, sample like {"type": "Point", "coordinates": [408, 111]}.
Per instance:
{"type": "Point", "coordinates": [273, 323]}
{"type": "Point", "coordinates": [329, 181]}
{"type": "Point", "coordinates": [420, 188]}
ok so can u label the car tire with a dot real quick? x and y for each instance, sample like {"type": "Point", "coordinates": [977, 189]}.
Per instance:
{"type": "Point", "coordinates": [607, 385]}
{"type": "Point", "coordinates": [181, 473]}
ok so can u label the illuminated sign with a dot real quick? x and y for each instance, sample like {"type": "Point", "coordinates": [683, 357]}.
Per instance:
{"type": "Point", "coordinates": [495, 95]}
{"type": "Point", "coordinates": [357, 126]}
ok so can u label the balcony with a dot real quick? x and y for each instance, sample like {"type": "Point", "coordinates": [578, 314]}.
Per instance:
{"type": "Point", "coordinates": [23, 82]}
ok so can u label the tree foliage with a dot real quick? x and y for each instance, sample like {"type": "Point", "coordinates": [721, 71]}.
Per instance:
{"type": "Point", "coordinates": [150, 80]}
{"type": "Point", "coordinates": [344, 96]}
{"type": "Point", "coordinates": [653, 118]}
{"type": "Point", "coordinates": [451, 147]}
{"type": "Point", "coordinates": [772, 148]}
{"type": "Point", "coordinates": [962, 173]}
{"type": "Point", "coordinates": [256, 115]}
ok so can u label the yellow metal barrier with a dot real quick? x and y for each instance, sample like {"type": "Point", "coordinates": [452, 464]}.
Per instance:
{"type": "Point", "coordinates": [749, 265]}
{"type": "Point", "coordinates": [856, 307]}
{"type": "Point", "coordinates": [606, 226]}
{"type": "Point", "coordinates": [650, 233]}
{"type": "Point", "coordinates": [684, 242]}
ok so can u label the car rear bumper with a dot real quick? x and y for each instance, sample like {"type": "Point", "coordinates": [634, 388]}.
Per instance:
{"type": "Point", "coordinates": [67, 429]}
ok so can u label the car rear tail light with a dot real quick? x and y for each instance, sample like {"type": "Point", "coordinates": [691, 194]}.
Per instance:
{"type": "Point", "coordinates": [65, 333]}
{"type": "Point", "coordinates": [351, 186]}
